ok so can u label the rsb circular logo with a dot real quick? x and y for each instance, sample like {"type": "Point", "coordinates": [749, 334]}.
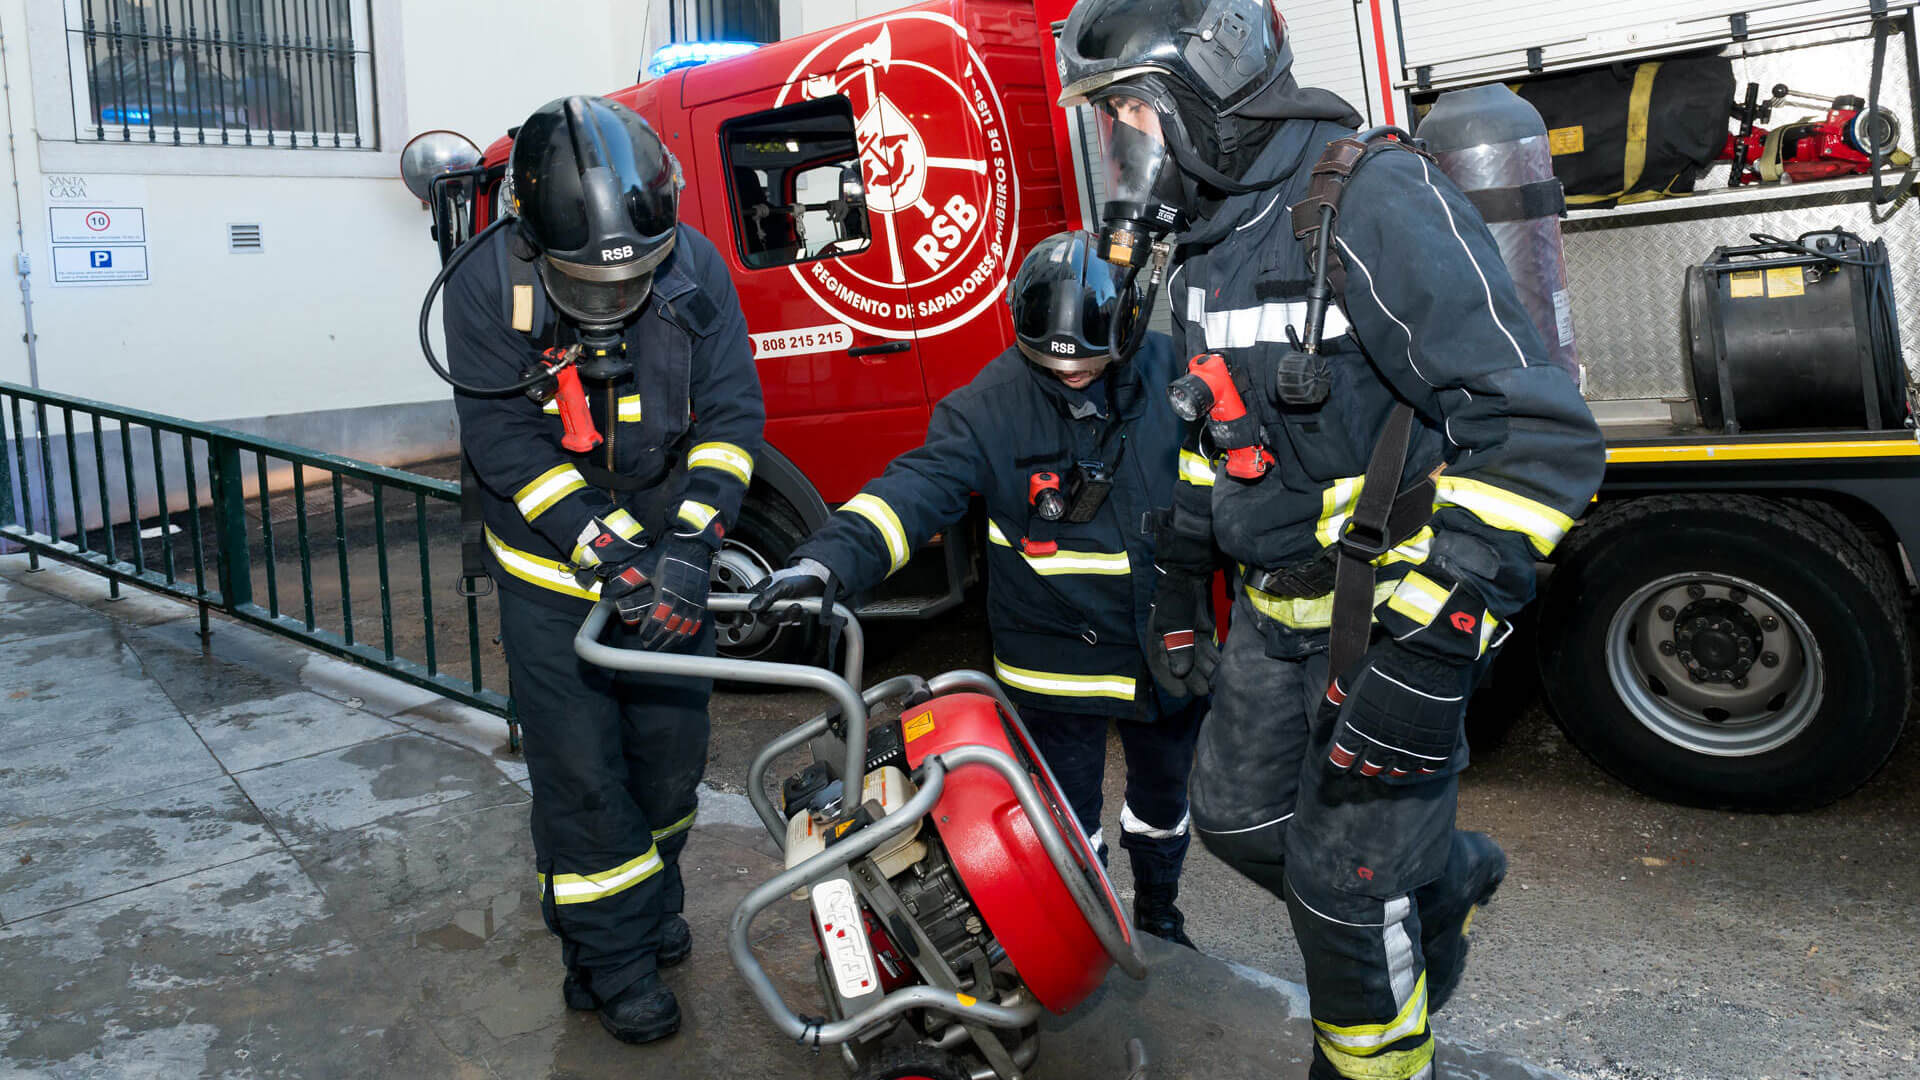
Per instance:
{"type": "Point", "coordinates": [934, 155]}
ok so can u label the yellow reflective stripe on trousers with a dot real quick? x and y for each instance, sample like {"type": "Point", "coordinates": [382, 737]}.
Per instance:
{"type": "Point", "coordinates": [1063, 561]}
{"type": "Point", "coordinates": [1366, 1039]}
{"type": "Point", "coordinates": [1119, 687]}
{"type": "Point", "coordinates": [726, 457]}
{"type": "Point", "coordinates": [696, 514]}
{"type": "Point", "coordinates": [1391, 1065]}
{"type": "Point", "coordinates": [1195, 469]}
{"type": "Point", "coordinates": [886, 522]}
{"type": "Point", "coordinates": [1418, 597]}
{"type": "Point", "coordinates": [538, 496]}
{"type": "Point", "coordinates": [1539, 523]}
{"type": "Point", "coordinates": [586, 888]}
{"type": "Point", "coordinates": [546, 573]}
{"type": "Point", "coordinates": [677, 827]}
{"type": "Point", "coordinates": [1306, 612]}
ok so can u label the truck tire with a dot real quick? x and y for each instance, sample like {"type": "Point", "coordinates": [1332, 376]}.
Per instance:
{"type": "Point", "coordinates": [1726, 651]}
{"type": "Point", "coordinates": [1509, 691]}
{"type": "Point", "coordinates": [763, 539]}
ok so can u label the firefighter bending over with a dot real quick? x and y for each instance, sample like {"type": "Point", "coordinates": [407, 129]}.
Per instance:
{"type": "Point", "coordinates": [596, 257]}
{"type": "Point", "coordinates": [1073, 455]}
{"type": "Point", "coordinates": [1383, 548]}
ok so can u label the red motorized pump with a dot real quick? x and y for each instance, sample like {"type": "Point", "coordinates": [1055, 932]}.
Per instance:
{"type": "Point", "coordinates": [999, 856]}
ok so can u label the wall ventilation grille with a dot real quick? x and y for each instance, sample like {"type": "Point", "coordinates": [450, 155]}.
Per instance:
{"type": "Point", "coordinates": [244, 240]}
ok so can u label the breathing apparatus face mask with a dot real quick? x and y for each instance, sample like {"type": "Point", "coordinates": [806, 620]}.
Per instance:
{"type": "Point", "coordinates": [1146, 194]}
{"type": "Point", "coordinates": [594, 297]}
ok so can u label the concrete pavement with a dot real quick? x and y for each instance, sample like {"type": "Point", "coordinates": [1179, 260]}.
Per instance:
{"type": "Point", "coordinates": [251, 860]}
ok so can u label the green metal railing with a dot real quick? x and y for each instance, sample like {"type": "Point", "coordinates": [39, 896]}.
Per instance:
{"type": "Point", "coordinates": [206, 484]}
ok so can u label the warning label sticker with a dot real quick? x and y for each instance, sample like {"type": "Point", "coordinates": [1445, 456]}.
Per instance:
{"type": "Point", "coordinates": [1567, 140]}
{"type": "Point", "coordinates": [1785, 281]}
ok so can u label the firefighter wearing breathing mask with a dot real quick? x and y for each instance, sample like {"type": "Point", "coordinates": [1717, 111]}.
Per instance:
{"type": "Point", "coordinates": [1384, 488]}
{"type": "Point", "coordinates": [1074, 456]}
{"type": "Point", "coordinates": [594, 255]}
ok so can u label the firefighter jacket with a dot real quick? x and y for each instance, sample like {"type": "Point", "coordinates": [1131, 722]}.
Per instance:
{"type": "Point", "coordinates": [1067, 603]}
{"type": "Point", "coordinates": [1428, 316]}
{"type": "Point", "coordinates": [681, 430]}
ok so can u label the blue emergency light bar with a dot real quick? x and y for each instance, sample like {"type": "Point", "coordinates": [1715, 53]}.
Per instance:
{"type": "Point", "coordinates": [684, 54]}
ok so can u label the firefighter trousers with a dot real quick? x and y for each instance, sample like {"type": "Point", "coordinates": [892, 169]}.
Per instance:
{"type": "Point", "coordinates": [614, 761]}
{"type": "Point", "coordinates": [1371, 874]}
{"type": "Point", "coordinates": [1154, 822]}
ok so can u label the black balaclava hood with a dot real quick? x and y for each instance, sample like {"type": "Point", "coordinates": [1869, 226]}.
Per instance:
{"type": "Point", "coordinates": [1229, 144]}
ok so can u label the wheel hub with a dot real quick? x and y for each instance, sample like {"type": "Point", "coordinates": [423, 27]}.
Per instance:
{"type": "Point", "coordinates": [1718, 640]}
{"type": "Point", "coordinates": [737, 569]}
{"type": "Point", "coordinates": [1715, 664]}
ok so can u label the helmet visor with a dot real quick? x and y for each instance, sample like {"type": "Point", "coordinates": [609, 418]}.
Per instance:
{"type": "Point", "coordinates": [1133, 146]}
{"type": "Point", "coordinates": [594, 303]}
{"type": "Point", "coordinates": [1093, 363]}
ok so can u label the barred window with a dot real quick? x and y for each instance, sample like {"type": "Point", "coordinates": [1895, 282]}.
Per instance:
{"type": "Point", "coordinates": [287, 74]}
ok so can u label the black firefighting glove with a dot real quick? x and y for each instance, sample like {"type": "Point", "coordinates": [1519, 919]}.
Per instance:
{"type": "Point", "coordinates": [1398, 714]}
{"type": "Point", "coordinates": [801, 579]}
{"type": "Point", "coordinates": [679, 602]}
{"type": "Point", "coordinates": [1181, 652]}
{"type": "Point", "coordinates": [606, 557]}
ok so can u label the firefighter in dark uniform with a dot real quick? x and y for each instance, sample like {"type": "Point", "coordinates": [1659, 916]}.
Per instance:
{"type": "Point", "coordinates": [1073, 455]}
{"type": "Point", "coordinates": [595, 255]}
{"type": "Point", "coordinates": [1336, 789]}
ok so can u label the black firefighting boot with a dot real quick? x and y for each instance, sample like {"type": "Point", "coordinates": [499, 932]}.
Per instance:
{"type": "Point", "coordinates": [642, 1013]}
{"type": "Point", "coordinates": [1153, 912]}
{"type": "Point", "coordinates": [676, 943]}
{"type": "Point", "coordinates": [1475, 868]}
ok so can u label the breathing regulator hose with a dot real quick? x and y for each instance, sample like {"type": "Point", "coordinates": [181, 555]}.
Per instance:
{"type": "Point", "coordinates": [1130, 332]}
{"type": "Point", "coordinates": [426, 323]}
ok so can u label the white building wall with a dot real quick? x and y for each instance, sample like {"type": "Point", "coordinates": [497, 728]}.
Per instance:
{"type": "Point", "coordinates": [324, 318]}
{"type": "Point", "coordinates": [805, 16]}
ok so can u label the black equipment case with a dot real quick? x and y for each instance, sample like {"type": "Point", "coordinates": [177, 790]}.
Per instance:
{"type": "Point", "coordinates": [1796, 335]}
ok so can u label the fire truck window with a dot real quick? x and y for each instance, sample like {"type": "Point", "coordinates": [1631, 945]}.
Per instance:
{"type": "Point", "coordinates": [797, 192]}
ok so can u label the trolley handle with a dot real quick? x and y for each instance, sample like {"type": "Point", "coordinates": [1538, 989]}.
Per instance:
{"type": "Point", "coordinates": [843, 688]}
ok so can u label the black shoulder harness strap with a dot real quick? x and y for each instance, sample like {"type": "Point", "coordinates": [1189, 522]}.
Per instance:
{"type": "Point", "coordinates": [1328, 185]}
{"type": "Point", "coordinates": [1383, 516]}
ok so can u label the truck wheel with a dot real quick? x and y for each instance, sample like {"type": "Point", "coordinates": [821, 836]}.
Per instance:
{"type": "Point", "coordinates": [913, 1063]}
{"type": "Point", "coordinates": [1509, 690]}
{"type": "Point", "coordinates": [1726, 651]}
{"type": "Point", "coordinates": [763, 539]}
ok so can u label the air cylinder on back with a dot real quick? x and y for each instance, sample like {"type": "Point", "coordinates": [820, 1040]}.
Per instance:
{"type": "Point", "coordinates": [1494, 147]}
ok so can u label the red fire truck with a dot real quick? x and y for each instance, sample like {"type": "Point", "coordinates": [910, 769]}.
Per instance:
{"type": "Point", "coordinates": [872, 186]}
